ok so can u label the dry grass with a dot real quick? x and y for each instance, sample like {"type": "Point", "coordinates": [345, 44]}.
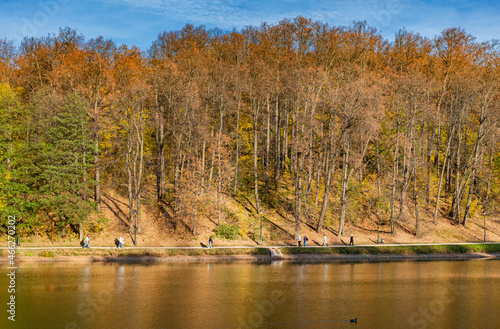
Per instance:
{"type": "Point", "coordinates": [158, 230]}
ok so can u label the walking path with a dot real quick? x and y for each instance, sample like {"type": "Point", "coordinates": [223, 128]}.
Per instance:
{"type": "Point", "coordinates": [266, 247]}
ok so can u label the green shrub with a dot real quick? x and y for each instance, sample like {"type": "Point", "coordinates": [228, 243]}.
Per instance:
{"type": "Point", "coordinates": [46, 254]}
{"type": "Point", "coordinates": [229, 232]}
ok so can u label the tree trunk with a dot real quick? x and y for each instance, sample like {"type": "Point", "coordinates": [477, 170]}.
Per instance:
{"type": "Point", "coordinates": [97, 188]}
{"type": "Point", "coordinates": [130, 194]}
{"type": "Point", "coordinates": [318, 179]}
{"type": "Point", "coordinates": [138, 184]}
{"type": "Point", "coordinates": [268, 141]}
{"type": "Point", "coordinates": [195, 215]}
{"type": "Point", "coordinates": [379, 190]}
{"type": "Point", "coordinates": [80, 230]}
{"type": "Point", "coordinates": [488, 185]}
{"type": "Point", "coordinates": [343, 192]}
{"type": "Point", "coordinates": [310, 170]}
{"type": "Point", "coordinates": [255, 167]}
{"type": "Point", "coordinates": [202, 176]}
{"type": "Point", "coordinates": [212, 162]}
{"type": "Point", "coordinates": [236, 162]}
{"type": "Point", "coordinates": [469, 199]}
{"type": "Point", "coordinates": [277, 150]}
{"type": "Point", "coordinates": [455, 205]}
{"type": "Point", "coordinates": [285, 142]}
{"type": "Point", "coordinates": [394, 175]}
{"type": "Point", "coordinates": [438, 146]}
{"type": "Point", "coordinates": [415, 190]}
{"type": "Point", "coordinates": [415, 200]}
{"type": "Point", "coordinates": [298, 194]}
{"type": "Point", "coordinates": [181, 199]}
{"type": "Point", "coordinates": [441, 178]}
{"type": "Point", "coordinates": [476, 151]}
{"type": "Point", "coordinates": [428, 164]}
{"type": "Point", "coordinates": [404, 188]}
{"type": "Point", "coordinates": [97, 172]}
{"type": "Point", "coordinates": [138, 207]}
{"type": "Point", "coordinates": [328, 175]}
{"type": "Point", "coordinates": [160, 154]}
{"type": "Point", "coordinates": [219, 169]}
{"type": "Point", "coordinates": [324, 205]}
{"type": "Point", "coordinates": [177, 164]}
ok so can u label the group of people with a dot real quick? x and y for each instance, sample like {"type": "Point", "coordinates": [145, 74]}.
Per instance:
{"type": "Point", "coordinates": [305, 240]}
{"type": "Point", "coordinates": [211, 241]}
{"type": "Point", "coordinates": [87, 240]}
{"type": "Point", "coordinates": [300, 239]}
{"type": "Point", "coordinates": [325, 241]}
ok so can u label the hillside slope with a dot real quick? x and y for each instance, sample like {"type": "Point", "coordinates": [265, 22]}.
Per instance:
{"type": "Point", "coordinates": [278, 227]}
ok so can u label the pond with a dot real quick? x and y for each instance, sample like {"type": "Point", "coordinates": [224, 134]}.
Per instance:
{"type": "Point", "coordinates": [433, 294]}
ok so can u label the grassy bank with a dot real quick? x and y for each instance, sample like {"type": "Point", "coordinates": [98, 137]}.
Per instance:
{"type": "Point", "coordinates": [134, 252]}
{"type": "Point", "coordinates": [288, 252]}
{"type": "Point", "coordinates": [397, 250]}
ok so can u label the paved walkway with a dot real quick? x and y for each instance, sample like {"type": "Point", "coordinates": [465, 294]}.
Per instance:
{"type": "Point", "coordinates": [266, 247]}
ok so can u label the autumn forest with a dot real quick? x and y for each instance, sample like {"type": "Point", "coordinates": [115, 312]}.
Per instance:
{"type": "Point", "coordinates": [328, 124]}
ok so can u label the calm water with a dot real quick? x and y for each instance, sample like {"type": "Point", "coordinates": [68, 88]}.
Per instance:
{"type": "Point", "coordinates": [453, 294]}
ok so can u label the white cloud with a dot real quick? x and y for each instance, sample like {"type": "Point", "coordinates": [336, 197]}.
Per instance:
{"type": "Point", "coordinates": [237, 13]}
{"type": "Point", "coordinates": [139, 21]}
{"type": "Point", "coordinates": [227, 14]}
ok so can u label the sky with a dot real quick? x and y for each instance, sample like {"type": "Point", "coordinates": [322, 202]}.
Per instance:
{"type": "Point", "coordinates": [139, 22]}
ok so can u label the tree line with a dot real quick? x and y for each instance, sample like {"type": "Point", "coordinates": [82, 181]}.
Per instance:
{"type": "Point", "coordinates": [331, 123]}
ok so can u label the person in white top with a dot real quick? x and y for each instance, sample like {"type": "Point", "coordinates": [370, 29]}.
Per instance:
{"type": "Point", "coordinates": [300, 240]}
{"type": "Point", "coordinates": [324, 240]}
{"type": "Point", "coordinates": [86, 245]}
{"type": "Point", "coordinates": [120, 245]}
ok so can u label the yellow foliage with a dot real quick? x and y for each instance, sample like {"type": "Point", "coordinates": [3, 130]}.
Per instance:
{"type": "Point", "coordinates": [475, 208]}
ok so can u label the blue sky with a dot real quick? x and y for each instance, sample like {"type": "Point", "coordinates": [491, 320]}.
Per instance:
{"type": "Point", "coordinates": [138, 22]}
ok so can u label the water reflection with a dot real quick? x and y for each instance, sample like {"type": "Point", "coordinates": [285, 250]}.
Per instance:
{"type": "Point", "coordinates": [280, 294]}
{"type": "Point", "coordinates": [120, 278]}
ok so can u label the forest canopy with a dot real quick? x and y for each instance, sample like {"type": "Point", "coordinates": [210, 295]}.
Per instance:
{"type": "Point", "coordinates": [330, 123]}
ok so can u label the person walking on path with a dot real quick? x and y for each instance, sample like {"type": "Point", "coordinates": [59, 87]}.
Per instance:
{"type": "Point", "coordinates": [300, 240]}
{"type": "Point", "coordinates": [324, 240]}
{"type": "Point", "coordinates": [86, 245]}
{"type": "Point", "coordinates": [305, 240]}
{"type": "Point", "coordinates": [210, 242]}
{"type": "Point", "coordinates": [351, 243]}
{"type": "Point", "coordinates": [120, 245]}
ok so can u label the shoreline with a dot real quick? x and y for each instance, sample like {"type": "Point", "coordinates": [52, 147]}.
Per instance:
{"type": "Point", "coordinates": [264, 254]}
{"type": "Point", "coordinates": [310, 258]}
